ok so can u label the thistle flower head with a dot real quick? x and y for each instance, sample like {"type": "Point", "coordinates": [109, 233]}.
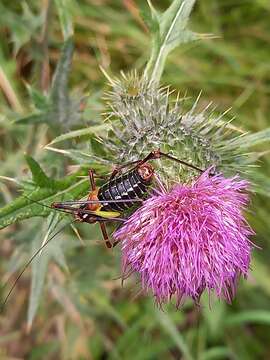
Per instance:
{"type": "Point", "coordinates": [191, 238]}
{"type": "Point", "coordinates": [145, 117]}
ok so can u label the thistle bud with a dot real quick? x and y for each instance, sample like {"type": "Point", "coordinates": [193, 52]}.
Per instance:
{"type": "Point", "coordinates": [145, 117]}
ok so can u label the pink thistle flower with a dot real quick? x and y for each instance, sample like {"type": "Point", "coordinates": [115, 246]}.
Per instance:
{"type": "Point", "coordinates": [191, 238]}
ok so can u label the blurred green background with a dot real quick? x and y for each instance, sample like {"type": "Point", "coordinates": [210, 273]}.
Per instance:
{"type": "Point", "coordinates": [84, 312]}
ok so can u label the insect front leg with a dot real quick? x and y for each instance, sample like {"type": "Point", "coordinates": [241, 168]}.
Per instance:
{"type": "Point", "coordinates": [101, 224]}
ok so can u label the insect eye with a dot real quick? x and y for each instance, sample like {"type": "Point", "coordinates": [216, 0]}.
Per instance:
{"type": "Point", "coordinates": [146, 171]}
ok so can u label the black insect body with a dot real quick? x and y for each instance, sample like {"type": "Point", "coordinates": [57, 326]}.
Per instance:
{"type": "Point", "coordinates": [120, 193]}
{"type": "Point", "coordinates": [129, 186]}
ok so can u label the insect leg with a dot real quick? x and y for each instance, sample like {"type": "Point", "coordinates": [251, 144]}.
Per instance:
{"type": "Point", "coordinates": [92, 179]}
{"type": "Point", "coordinates": [101, 224]}
{"type": "Point", "coordinates": [105, 234]}
{"type": "Point", "coordinates": [115, 243]}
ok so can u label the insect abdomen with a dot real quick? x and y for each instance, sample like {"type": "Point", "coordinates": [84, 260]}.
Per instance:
{"type": "Point", "coordinates": [126, 187]}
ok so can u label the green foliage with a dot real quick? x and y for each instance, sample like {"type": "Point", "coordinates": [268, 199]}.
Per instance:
{"type": "Point", "coordinates": [43, 190]}
{"type": "Point", "coordinates": [250, 140]}
{"type": "Point", "coordinates": [39, 266]}
{"type": "Point", "coordinates": [93, 130]}
{"type": "Point", "coordinates": [64, 8]}
{"type": "Point", "coordinates": [168, 31]}
{"type": "Point", "coordinates": [24, 24]}
{"type": "Point", "coordinates": [85, 312]}
{"type": "Point", "coordinates": [57, 109]}
{"type": "Point", "coordinates": [170, 327]}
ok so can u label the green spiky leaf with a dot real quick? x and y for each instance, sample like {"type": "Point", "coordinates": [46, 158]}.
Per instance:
{"type": "Point", "coordinates": [58, 91]}
{"type": "Point", "coordinates": [98, 129]}
{"type": "Point", "coordinates": [64, 108]}
{"type": "Point", "coordinates": [169, 30]}
{"type": "Point", "coordinates": [58, 109]}
{"type": "Point", "coordinates": [39, 176]}
{"type": "Point", "coordinates": [24, 207]}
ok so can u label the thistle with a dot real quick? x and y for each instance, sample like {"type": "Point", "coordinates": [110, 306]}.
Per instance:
{"type": "Point", "coordinates": [145, 117]}
{"type": "Point", "coordinates": [189, 239]}
{"type": "Point", "coordinates": [190, 236]}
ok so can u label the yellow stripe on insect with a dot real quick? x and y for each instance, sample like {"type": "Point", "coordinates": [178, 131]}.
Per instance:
{"type": "Point", "coordinates": [107, 214]}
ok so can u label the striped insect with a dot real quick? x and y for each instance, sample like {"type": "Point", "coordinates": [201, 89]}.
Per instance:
{"type": "Point", "coordinates": [120, 193]}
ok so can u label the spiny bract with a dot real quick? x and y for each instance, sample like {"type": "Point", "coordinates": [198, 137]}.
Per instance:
{"type": "Point", "coordinates": [145, 118]}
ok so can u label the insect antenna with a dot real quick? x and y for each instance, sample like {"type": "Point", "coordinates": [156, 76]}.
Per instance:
{"type": "Point", "coordinates": [46, 206]}
{"type": "Point", "coordinates": [85, 202]}
{"type": "Point", "coordinates": [27, 264]}
{"type": "Point", "coordinates": [181, 161]}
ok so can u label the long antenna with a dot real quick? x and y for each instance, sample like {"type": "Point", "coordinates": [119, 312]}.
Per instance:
{"type": "Point", "coordinates": [28, 263]}
{"type": "Point", "coordinates": [156, 154]}
{"type": "Point", "coordinates": [85, 202]}
{"type": "Point", "coordinates": [181, 161]}
{"type": "Point", "coordinates": [46, 206]}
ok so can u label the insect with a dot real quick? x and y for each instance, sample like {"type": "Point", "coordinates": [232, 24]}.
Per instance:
{"type": "Point", "coordinates": [120, 193]}
{"type": "Point", "coordinates": [107, 203]}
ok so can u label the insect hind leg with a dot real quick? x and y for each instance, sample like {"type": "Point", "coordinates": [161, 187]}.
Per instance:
{"type": "Point", "coordinates": [105, 235]}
